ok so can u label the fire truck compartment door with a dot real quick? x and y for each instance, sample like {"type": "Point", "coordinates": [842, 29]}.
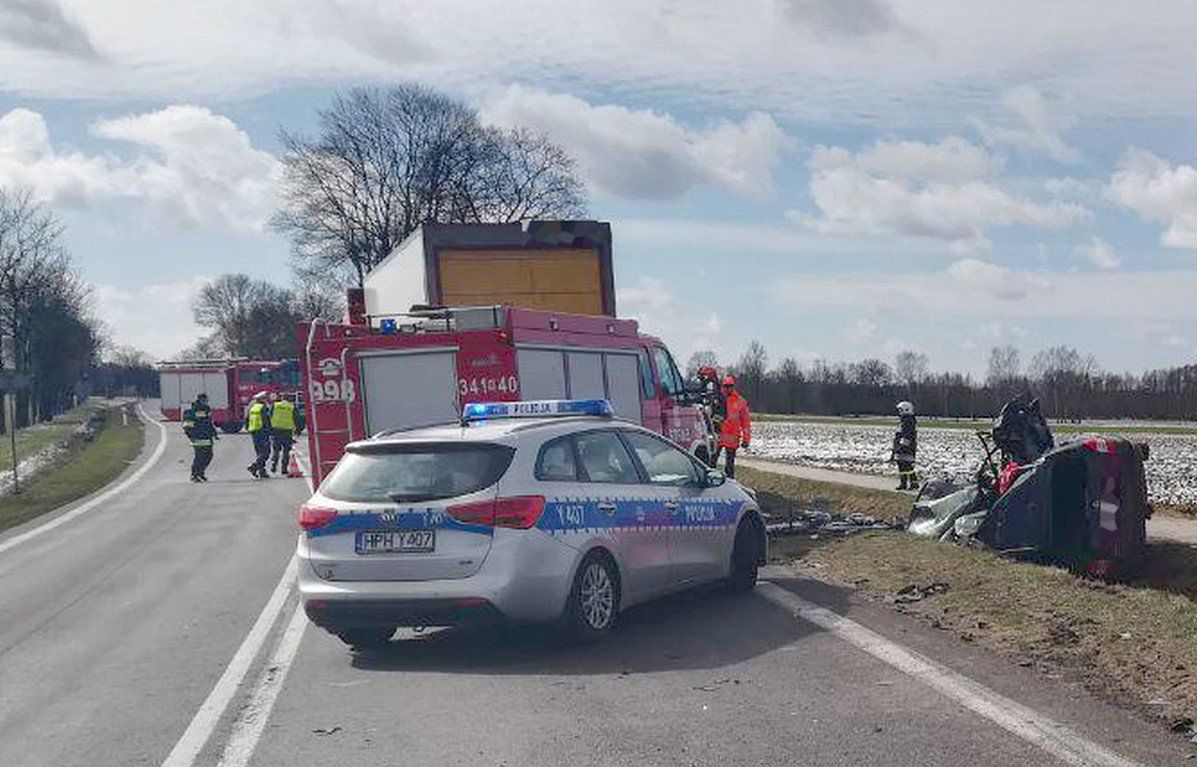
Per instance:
{"type": "Point", "coordinates": [409, 389]}
{"type": "Point", "coordinates": [623, 386]}
{"type": "Point", "coordinates": [169, 389]}
{"type": "Point", "coordinates": [216, 385]}
{"type": "Point", "coordinates": [542, 373]}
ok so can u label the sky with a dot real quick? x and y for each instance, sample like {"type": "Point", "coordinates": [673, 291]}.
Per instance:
{"type": "Point", "coordinates": [834, 178]}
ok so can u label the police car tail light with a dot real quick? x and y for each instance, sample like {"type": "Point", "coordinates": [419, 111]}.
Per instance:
{"type": "Point", "coordinates": [517, 512]}
{"type": "Point", "coordinates": [313, 517]}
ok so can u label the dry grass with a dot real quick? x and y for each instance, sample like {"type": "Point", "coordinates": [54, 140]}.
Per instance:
{"type": "Point", "coordinates": [1132, 642]}
{"type": "Point", "coordinates": [778, 494]}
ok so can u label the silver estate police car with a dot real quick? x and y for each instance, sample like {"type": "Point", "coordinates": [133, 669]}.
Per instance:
{"type": "Point", "coordinates": [526, 511]}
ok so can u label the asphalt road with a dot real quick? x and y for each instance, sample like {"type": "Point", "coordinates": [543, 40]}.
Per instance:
{"type": "Point", "coordinates": [117, 626]}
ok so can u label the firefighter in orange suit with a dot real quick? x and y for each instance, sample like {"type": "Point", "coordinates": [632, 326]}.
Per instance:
{"type": "Point", "coordinates": [736, 431]}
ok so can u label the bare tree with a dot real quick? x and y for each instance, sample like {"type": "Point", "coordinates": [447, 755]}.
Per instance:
{"type": "Point", "coordinates": [910, 368]}
{"type": "Point", "coordinates": [700, 359]}
{"type": "Point", "coordinates": [751, 368]}
{"type": "Point", "coordinates": [387, 161]}
{"type": "Point", "coordinates": [225, 304]}
{"type": "Point", "coordinates": [1004, 366]}
{"type": "Point", "coordinates": [44, 317]}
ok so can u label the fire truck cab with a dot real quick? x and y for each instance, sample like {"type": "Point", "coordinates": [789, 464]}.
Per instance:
{"type": "Point", "coordinates": [421, 368]}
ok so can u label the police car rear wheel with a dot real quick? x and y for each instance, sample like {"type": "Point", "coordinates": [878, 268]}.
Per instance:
{"type": "Point", "coordinates": [594, 599]}
{"type": "Point", "coordinates": [366, 638]}
{"type": "Point", "coordinates": [744, 560]}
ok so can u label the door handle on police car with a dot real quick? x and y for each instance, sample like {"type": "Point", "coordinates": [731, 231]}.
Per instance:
{"type": "Point", "coordinates": [671, 507]}
{"type": "Point", "coordinates": [606, 508]}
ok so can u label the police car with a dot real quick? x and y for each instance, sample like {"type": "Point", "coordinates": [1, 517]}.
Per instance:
{"type": "Point", "coordinates": [525, 511]}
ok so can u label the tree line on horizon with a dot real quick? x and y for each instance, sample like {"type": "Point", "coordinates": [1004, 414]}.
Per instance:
{"type": "Point", "coordinates": [1068, 383]}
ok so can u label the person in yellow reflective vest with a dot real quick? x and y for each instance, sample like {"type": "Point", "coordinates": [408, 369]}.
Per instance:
{"type": "Point", "coordinates": [197, 425]}
{"type": "Point", "coordinates": [257, 423]}
{"type": "Point", "coordinates": [286, 420]}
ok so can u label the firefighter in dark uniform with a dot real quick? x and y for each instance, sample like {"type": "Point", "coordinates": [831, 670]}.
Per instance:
{"type": "Point", "coordinates": [198, 426]}
{"type": "Point", "coordinates": [286, 421]}
{"type": "Point", "coordinates": [905, 446]}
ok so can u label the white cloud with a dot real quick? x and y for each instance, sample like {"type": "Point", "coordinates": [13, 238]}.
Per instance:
{"type": "Point", "coordinates": [153, 318]}
{"type": "Point", "coordinates": [1101, 254]}
{"type": "Point", "coordinates": [1037, 128]}
{"type": "Point", "coordinates": [661, 312]}
{"type": "Point", "coordinates": [996, 280]}
{"type": "Point", "coordinates": [1158, 191]}
{"type": "Point", "coordinates": [640, 153]}
{"type": "Point", "coordinates": [912, 189]}
{"type": "Point", "coordinates": [860, 330]}
{"type": "Point", "coordinates": [42, 25]}
{"type": "Point", "coordinates": [842, 18]}
{"type": "Point", "coordinates": [191, 167]}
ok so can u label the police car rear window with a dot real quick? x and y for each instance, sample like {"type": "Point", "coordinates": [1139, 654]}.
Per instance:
{"type": "Point", "coordinates": [414, 473]}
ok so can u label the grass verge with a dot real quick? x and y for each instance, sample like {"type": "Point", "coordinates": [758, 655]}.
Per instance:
{"type": "Point", "coordinates": [779, 493]}
{"type": "Point", "coordinates": [34, 439]}
{"type": "Point", "coordinates": [88, 465]}
{"type": "Point", "coordinates": [1131, 642]}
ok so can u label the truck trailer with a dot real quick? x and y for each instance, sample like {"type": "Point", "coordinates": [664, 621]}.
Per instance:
{"type": "Point", "coordinates": [462, 313]}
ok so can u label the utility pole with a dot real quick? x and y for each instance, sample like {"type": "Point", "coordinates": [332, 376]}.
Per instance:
{"type": "Point", "coordinates": [8, 358]}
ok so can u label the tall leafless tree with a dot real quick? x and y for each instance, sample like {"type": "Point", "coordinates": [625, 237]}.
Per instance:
{"type": "Point", "coordinates": [44, 319]}
{"type": "Point", "coordinates": [386, 161]}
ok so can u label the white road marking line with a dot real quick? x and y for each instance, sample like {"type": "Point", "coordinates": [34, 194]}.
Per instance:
{"type": "Point", "coordinates": [247, 730]}
{"type": "Point", "coordinates": [206, 718]}
{"type": "Point", "coordinates": [251, 720]}
{"type": "Point", "coordinates": [1028, 724]}
{"type": "Point", "coordinates": [78, 511]}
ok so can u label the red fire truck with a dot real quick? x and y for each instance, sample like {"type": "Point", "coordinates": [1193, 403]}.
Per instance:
{"type": "Point", "coordinates": [422, 367]}
{"type": "Point", "coordinates": [229, 383]}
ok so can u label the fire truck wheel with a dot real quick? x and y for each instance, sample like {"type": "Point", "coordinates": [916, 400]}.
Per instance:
{"type": "Point", "coordinates": [230, 427]}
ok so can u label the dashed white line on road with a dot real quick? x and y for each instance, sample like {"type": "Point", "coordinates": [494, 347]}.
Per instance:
{"type": "Point", "coordinates": [206, 718]}
{"type": "Point", "coordinates": [1051, 736]}
{"type": "Point", "coordinates": [82, 509]}
{"type": "Point", "coordinates": [247, 729]}
{"type": "Point", "coordinates": [251, 720]}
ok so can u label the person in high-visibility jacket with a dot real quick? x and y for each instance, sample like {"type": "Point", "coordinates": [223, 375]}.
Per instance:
{"type": "Point", "coordinates": [285, 422]}
{"type": "Point", "coordinates": [736, 431]}
{"type": "Point", "coordinates": [257, 423]}
{"type": "Point", "coordinates": [200, 431]}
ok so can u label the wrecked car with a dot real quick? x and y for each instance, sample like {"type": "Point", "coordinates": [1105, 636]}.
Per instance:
{"type": "Point", "coordinates": [1082, 502]}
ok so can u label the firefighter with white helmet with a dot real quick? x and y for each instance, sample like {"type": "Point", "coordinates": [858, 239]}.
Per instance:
{"type": "Point", "coordinates": [905, 446]}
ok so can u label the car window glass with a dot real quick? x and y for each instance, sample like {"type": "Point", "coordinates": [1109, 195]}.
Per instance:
{"type": "Point", "coordinates": [605, 459]}
{"type": "Point", "coordinates": [664, 463]}
{"type": "Point", "coordinates": [556, 462]}
{"type": "Point", "coordinates": [670, 378]}
{"type": "Point", "coordinates": [415, 472]}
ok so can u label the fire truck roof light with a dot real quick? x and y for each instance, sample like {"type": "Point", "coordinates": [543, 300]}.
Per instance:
{"type": "Point", "coordinates": [484, 411]}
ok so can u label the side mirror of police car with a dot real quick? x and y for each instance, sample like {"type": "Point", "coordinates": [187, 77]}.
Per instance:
{"type": "Point", "coordinates": [714, 478]}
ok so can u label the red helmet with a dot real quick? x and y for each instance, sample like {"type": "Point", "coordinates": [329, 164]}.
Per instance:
{"type": "Point", "coordinates": [729, 380]}
{"type": "Point", "coordinates": [706, 371]}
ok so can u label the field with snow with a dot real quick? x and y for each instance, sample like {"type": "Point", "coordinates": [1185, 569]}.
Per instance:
{"type": "Point", "coordinates": [1171, 470]}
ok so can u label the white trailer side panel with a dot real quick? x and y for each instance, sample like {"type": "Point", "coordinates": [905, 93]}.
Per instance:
{"type": "Point", "coordinates": [409, 389]}
{"type": "Point", "coordinates": [168, 386]}
{"type": "Point", "coordinates": [623, 385]}
{"type": "Point", "coordinates": [542, 373]}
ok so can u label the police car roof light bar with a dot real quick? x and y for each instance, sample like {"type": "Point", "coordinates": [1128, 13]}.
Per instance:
{"type": "Point", "coordinates": [484, 411]}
